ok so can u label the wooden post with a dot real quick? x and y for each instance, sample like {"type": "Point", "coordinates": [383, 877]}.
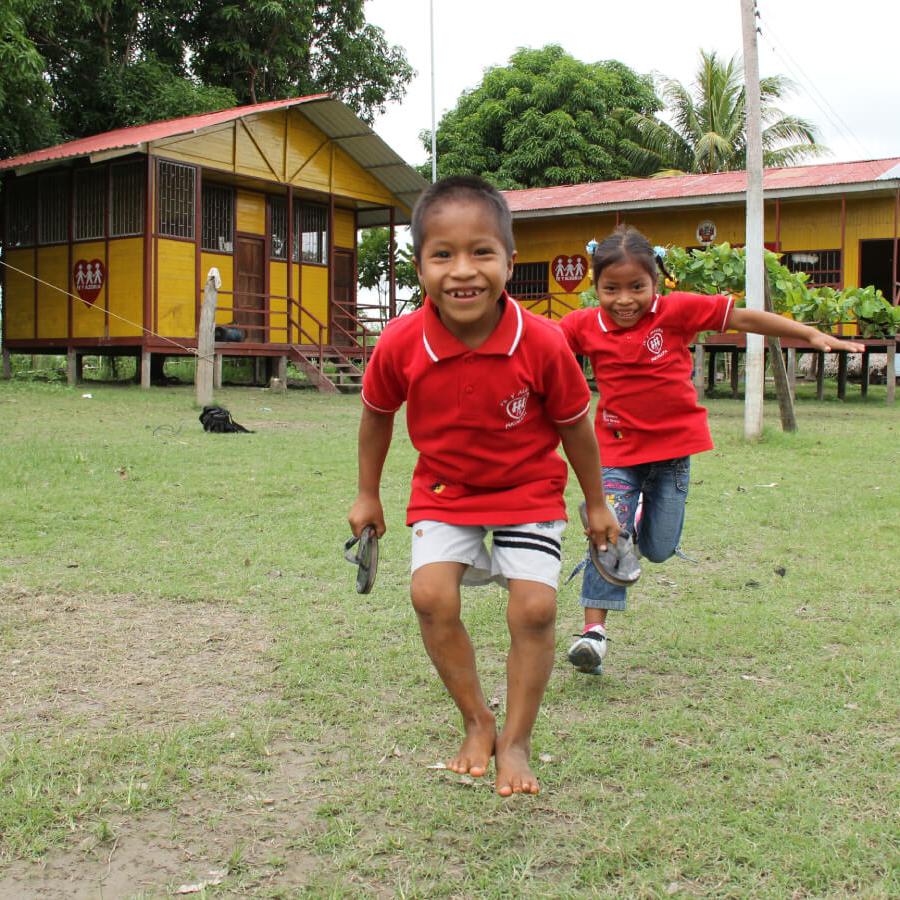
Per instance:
{"type": "Point", "coordinates": [7, 367]}
{"type": "Point", "coordinates": [282, 370]}
{"type": "Point", "coordinates": [820, 375]}
{"type": "Point", "coordinates": [890, 371]}
{"type": "Point", "coordinates": [206, 340]}
{"type": "Point", "coordinates": [735, 372]}
{"type": "Point", "coordinates": [842, 376]}
{"type": "Point", "coordinates": [698, 370]}
{"type": "Point", "coordinates": [217, 372]}
{"type": "Point", "coordinates": [71, 370]}
{"type": "Point", "coordinates": [145, 369]}
{"type": "Point", "coordinates": [711, 371]}
{"type": "Point", "coordinates": [864, 375]}
{"type": "Point", "coordinates": [779, 372]}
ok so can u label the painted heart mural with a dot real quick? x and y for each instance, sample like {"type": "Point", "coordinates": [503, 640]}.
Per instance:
{"type": "Point", "coordinates": [88, 277]}
{"type": "Point", "coordinates": [569, 271]}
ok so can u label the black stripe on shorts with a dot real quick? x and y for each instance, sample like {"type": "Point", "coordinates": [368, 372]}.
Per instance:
{"type": "Point", "coordinates": [526, 545]}
{"type": "Point", "coordinates": [526, 535]}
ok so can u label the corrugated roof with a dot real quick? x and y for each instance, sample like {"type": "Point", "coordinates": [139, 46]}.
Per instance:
{"type": "Point", "coordinates": [333, 118]}
{"type": "Point", "coordinates": [696, 189]}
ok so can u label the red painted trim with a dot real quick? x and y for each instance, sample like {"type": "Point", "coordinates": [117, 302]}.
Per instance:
{"type": "Point", "coordinates": [106, 215]}
{"type": "Point", "coordinates": [331, 253]}
{"type": "Point", "coordinates": [34, 269]}
{"type": "Point", "coordinates": [392, 275]}
{"type": "Point", "coordinates": [289, 255]}
{"type": "Point", "coordinates": [356, 261]}
{"type": "Point", "coordinates": [70, 314]}
{"type": "Point", "coordinates": [843, 238]}
{"type": "Point", "coordinates": [778, 225]}
{"type": "Point", "coordinates": [3, 268]}
{"type": "Point", "coordinates": [895, 299]}
{"type": "Point", "coordinates": [198, 225]}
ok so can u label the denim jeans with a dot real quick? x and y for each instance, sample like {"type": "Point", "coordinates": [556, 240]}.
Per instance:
{"type": "Point", "coordinates": [664, 486]}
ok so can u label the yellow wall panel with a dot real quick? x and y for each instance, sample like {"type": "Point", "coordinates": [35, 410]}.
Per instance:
{"type": "Point", "coordinates": [351, 180]}
{"type": "Point", "coordinates": [126, 287]}
{"type": "Point", "coordinates": [18, 295]}
{"type": "Point", "coordinates": [89, 319]}
{"type": "Point", "coordinates": [53, 305]}
{"type": "Point", "coordinates": [215, 147]}
{"type": "Point", "coordinates": [261, 142]}
{"type": "Point", "coordinates": [314, 299]}
{"type": "Point", "coordinates": [251, 212]}
{"type": "Point", "coordinates": [225, 264]}
{"type": "Point", "coordinates": [176, 296]}
{"type": "Point", "coordinates": [309, 154]}
{"type": "Point", "coordinates": [344, 233]}
{"type": "Point", "coordinates": [278, 305]}
{"type": "Point", "coordinates": [250, 161]}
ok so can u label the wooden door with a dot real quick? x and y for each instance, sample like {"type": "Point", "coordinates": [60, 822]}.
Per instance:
{"type": "Point", "coordinates": [343, 305]}
{"type": "Point", "coordinates": [250, 288]}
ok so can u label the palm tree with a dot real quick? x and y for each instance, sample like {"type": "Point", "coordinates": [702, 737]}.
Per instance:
{"type": "Point", "coordinates": [707, 129]}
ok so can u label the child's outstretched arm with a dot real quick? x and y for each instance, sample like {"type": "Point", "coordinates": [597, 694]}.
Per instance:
{"type": "Point", "coordinates": [580, 445]}
{"type": "Point", "coordinates": [375, 433]}
{"type": "Point", "coordinates": [759, 322]}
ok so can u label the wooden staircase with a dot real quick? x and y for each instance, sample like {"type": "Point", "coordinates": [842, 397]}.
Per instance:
{"type": "Point", "coordinates": [343, 375]}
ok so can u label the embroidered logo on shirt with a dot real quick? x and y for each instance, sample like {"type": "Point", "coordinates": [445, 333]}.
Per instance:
{"type": "Point", "coordinates": [610, 419]}
{"type": "Point", "coordinates": [516, 407]}
{"type": "Point", "coordinates": [654, 343]}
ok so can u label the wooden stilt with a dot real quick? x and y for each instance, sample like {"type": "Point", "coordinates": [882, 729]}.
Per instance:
{"type": "Point", "coordinates": [145, 369]}
{"type": "Point", "coordinates": [735, 372]}
{"type": "Point", "coordinates": [891, 372]}
{"type": "Point", "coordinates": [698, 370]}
{"type": "Point", "coordinates": [820, 375]}
{"type": "Point", "coordinates": [864, 375]}
{"type": "Point", "coordinates": [842, 376]}
{"type": "Point", "coordinates": [71, 369]}
{"type": "Point", "coordinates": [711, 371]}
{"type": "Point", "coordinates": [792, 371]}
{"type": "Point", "coordinates": [7, 367]}
{"type": "Point", "coordinates": [217, 372]}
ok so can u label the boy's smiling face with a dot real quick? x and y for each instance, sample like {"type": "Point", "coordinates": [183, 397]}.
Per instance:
{"type": "Point", "coordinates": [464, 266]}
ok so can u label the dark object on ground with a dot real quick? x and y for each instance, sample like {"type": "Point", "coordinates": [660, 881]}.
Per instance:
{"type": "Point", "coordinates": [217, 419]}
{"type": "Point", "coordinates": [365, 558]}
{"type": "Point", "coordinates": [229, 333]}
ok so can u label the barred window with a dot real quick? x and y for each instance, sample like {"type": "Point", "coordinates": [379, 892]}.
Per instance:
{"type": "Point", "coordinates": [278, 236]}
{"type": "Point", "coordinates": [311, 233]}
{"type": "Point", "coordinates": [822, 266]}
{"type": "Point", "coordinates": [218, 218]}
{"type": "Point", "coordinates": [127, 189]}
{"type": "Point", "coordinates": [176, 200]}
{"type": "Point", "coordinates": [90, 204]}
{"type": "Point", "coordinates": [19, 204]}
{"type": "Point", "coordinates": [53, 222]}
{"type": "Point", "coordinates": [529, 280]}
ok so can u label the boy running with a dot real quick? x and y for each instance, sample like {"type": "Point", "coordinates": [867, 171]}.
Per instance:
{"type": "Point", "coordinates": [491, 390]}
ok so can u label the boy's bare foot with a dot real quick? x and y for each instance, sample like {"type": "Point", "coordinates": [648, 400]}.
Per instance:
{"type": "Point", "coordinates": [514, 775]}
{"type": "Point", "coordinates": [477, 749]}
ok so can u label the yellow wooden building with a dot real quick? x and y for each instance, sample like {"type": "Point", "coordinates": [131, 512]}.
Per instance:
{"type": "Point", "coordinates": [108, 240]}
{"type": "Point", "coordinates": [838, 222]}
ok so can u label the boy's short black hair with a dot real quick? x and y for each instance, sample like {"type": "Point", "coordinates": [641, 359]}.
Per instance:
{"type": "Point", "coordinates": [467, 187]}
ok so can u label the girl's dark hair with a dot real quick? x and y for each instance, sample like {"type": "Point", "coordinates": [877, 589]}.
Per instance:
{"type": "Point", "coordinates": [627, 243]}
{"type": "Point", "coordinates": [461, 187]}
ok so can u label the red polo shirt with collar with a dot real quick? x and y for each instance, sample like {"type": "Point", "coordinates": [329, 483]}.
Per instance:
{"type": "Point", "coordinates": [484, 421]}
{"type": "Point", "coordinates": [648, 408]}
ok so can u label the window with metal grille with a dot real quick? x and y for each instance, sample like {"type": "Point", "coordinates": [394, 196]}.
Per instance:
{"type": "Point", "coordinates": [126, 198]}
{"type": "Point", "coordinates": [53, 221]}
{"type": "Point", "coordinates": [90, 204]}
{"type": "Point", "coordinates": [529, 280]}
{"type": "Point", "coordinates": [311, 233]}
{"type": "Point", "coordinates": [19, 204]}
{"type": "Point", "coordinates": [822, 266]}
{"type": "Point", "coordinates": [218, 218]}
{"type": "Point", "coordinates": [278, 236]}
{"type": "Point", "coordinates": [176, 200]}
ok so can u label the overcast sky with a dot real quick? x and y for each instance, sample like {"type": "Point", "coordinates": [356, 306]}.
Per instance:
{"type": "Point", "coordinates": [842, 56]}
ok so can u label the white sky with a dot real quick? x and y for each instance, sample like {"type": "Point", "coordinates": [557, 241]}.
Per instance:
{"type": "Point", "coordinates": [841, 54]}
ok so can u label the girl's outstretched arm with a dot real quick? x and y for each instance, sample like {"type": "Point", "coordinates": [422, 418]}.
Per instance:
{"type": "Point", "coordinates": [757, 321]}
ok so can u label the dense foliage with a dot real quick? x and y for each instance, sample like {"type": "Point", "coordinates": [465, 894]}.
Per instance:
{"type": "Point", "coordinates": [373, 265]}
{"type": "Point", "coordinates": [544, 119]}
{"type": "Point", "coordinates": [70, 68]}
{"type": "Point", "coordinates": [704, 126]}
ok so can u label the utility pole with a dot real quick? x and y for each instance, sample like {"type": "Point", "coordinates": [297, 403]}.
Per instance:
{"type": "Point", "coordinates": [755, 264]}
{"type": "Point", "coordinates": [433, 127]}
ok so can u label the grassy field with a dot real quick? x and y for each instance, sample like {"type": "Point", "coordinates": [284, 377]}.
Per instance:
{"type": "Point", "coordinates": [194, 695]}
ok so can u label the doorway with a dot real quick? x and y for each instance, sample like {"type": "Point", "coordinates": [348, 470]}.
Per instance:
{"type": "Point", "coordinates": [344, 327]}
{"type": "Point", "coordinates": [876, 266]}
{"type": "Point", "coordinates": [250, 288]}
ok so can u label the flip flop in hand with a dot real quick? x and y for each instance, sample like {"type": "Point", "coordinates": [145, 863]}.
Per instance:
{"type": "Point", "coordinates": [618, 563]}
{"type": "Point", "coordinates": [364, 557]}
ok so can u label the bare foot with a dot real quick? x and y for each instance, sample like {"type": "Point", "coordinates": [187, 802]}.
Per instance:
{"type": "Point", "coordinates": [476, 750]}
{"type": "Point", "coordinates": [514, 775]}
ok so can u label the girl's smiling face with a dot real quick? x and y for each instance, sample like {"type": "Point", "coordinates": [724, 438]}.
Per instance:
{"type": "Point", "coordinates": [625, 291]}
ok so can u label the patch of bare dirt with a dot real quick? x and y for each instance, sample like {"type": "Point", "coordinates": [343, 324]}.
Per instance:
{"type": "Point", "coordinates": [99, 658]}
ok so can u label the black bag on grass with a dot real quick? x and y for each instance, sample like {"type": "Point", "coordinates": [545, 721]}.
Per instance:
{"type": "Point", "coordinates": [217, 419]}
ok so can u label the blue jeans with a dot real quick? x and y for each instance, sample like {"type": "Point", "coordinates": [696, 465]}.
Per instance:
{"type": "Point", "coordinates": [664, 485]}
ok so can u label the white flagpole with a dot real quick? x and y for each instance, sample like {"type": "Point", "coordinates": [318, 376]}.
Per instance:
{"type": "Point", "coordinates": [433, 127]}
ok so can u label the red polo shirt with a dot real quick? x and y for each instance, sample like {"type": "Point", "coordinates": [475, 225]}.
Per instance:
{"type": "Point", "coordinates": [648, 407]}
{"type": "Point", "coordinates": [484, 421]}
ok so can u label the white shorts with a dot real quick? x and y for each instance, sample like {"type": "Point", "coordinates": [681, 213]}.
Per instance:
{"type": "Point", "coordinates": [530, 552]}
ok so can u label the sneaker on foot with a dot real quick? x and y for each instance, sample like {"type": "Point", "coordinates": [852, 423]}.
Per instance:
{"type": "Point", "coordinates": [587, 653]}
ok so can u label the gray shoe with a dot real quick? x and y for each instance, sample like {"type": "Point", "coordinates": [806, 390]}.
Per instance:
{"type": "Point", "coordinates": [618, 563]}
{"type": "Point", "coordinates": [587, 653]}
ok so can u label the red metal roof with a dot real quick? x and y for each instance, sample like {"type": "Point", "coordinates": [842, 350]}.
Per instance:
{"type": "Point", "coordinates": [135, 135]}
{"type": "Point", "coordinates": [653, 190]}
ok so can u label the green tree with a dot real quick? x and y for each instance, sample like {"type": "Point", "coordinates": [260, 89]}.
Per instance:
{"type": "Point", "coordinates": [544, 119]}
{"type": "Point", "coordinates": [707, 133]}
{"type": "Point", "coordinates": [373, 265]}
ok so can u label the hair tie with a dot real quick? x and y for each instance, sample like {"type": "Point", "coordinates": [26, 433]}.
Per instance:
{"type": "Point", "coordinates": [591, 247]}
{"type": "Point", "coordinates": [660, 253]}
